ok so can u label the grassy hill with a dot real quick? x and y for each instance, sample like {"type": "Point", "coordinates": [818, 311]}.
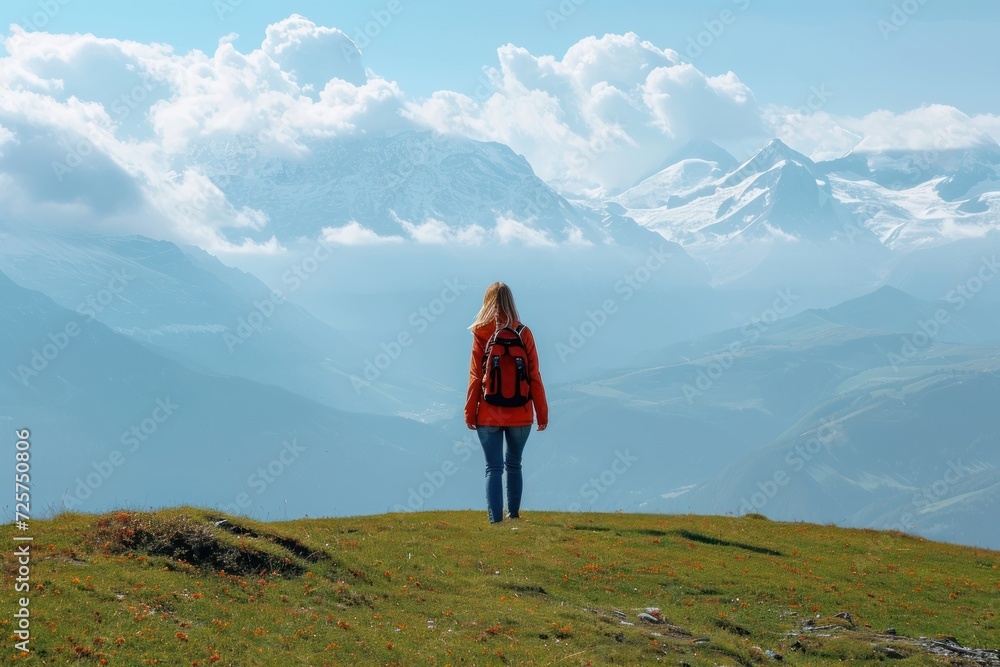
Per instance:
{"type": "Point", "coordinates": [189, 586]}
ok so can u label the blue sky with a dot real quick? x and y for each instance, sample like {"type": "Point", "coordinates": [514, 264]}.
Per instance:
{"type": "Point", "coordinates": [942, 52]}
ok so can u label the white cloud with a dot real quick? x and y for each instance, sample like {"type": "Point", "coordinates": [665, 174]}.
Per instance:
{"type": "Point", "coordinates": [605, 114]}
{"type": "Point", "coordinates": [471, 235]}
{"type": "Point", "coordinates": [430, 232]}
{"type": "Point", "coordinates": [575, 236]}
{"type": "Point", "coordinates": [952, 230]}
{"type": "Point", "coordinates": [6, 137]}
{"type": "Point", "coordinates": [933, 127]}
{"type": "Point", "coordinates": [510, 230]}
{"type": "Point", "coordinates": [437, 232]}
{"type": "Point", "coordinates": [988, 123]}
{"type": "Point", "coordinates": [936, 126]}
{"type": "Point", "coordinates": [114, 117]}
{"type": "Point", "coordinates": [507, 230]}
{"type": "Point", "coordinates": [191, 201]}
{"type": "Point", "coordinates": [250, 247]}
{"type": "Point", "coordinates": [353, 233]}
{"type": "Point", "coordinates": [313, 54]}
{"type": "Point", "coordinates": [235, 93]}
{"type": "Point", "coordinates": [305, 80]}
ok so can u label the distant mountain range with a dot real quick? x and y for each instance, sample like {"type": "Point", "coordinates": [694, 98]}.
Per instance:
{"type": "Point", "coordinates": [698, 331]}
{"type": "Point", "coordinates": [395, 186]}
{"type": "Point", "coordinates": [115, 423]}
{"type": "Point", "coordinates": [878, 415]}
{"type": "Point", "coordinates": [836, 229]}
{"type": "Point", "coordinates": [187, 305]}
{"type": "Point", "coordinates": [906, 199]}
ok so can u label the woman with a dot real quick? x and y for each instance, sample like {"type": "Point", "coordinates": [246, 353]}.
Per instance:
{"type": "Point", "coordinates": [493, 421]}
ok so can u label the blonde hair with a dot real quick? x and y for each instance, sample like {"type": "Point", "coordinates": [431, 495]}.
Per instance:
{"type": "Point", "coordinates": [498, 308]}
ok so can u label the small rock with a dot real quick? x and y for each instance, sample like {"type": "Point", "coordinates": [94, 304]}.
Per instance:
{"type": "Point", "coordinates": [846, 616]}
{"type": "Point", "coordinates": [890, 631]}
{"type": "Point", "coordinates": [774, 656]}
{"type": "Point", "coordinates": [626, 623]}
{"type": "Point", "coordinates": [618, 613]}
{"type": "Point", "coordinates": [649, 618]}
{"type": "Point", "coordinates": [810, 622]}
{"type": "Point", "coordinates": [653, 611]}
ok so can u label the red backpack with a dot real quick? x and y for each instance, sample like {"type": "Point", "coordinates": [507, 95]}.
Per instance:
{"type": "Point", "coordinates": [506, 382]}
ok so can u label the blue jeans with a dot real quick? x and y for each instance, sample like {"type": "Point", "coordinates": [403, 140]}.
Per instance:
{"type": "Point", "coordinates": [491, 438]}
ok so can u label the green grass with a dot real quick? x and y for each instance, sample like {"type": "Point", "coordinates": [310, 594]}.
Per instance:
{"type": "Point", "coordinates": [446, 588]}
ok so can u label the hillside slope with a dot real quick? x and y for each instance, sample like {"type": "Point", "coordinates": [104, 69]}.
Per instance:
{"type": "Point", "coordinates": [191, 587]}
{"type": "Point", "coordinates": [122, 421]}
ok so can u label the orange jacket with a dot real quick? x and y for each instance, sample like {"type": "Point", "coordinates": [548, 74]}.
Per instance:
{"type": "Point", "coordinates": [481, 413]}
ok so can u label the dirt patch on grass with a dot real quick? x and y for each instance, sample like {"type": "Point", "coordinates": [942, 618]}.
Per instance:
{"type": "Point", "coordinates": [191, 540]}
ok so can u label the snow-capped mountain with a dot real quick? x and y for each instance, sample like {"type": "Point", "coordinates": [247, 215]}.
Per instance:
{"type": "Point", "coordinates": [768, 223]}
{"type": "Point", "coordinates": [955, 170]}
{"type": "Point", "coordinates": [907, 198]}
{"type": "Point", "coordinates": [912, 199]}
{"type": "Point", "coordinates": [902, 199]}
{"type": "Point", "coordinates": [412, 185]}
{"type": "Point", "coordinates": [696, 164]}
{"type": "Point", "coordinates": [835, 229]}
{"type": "Point", "coordinates": [778, 194]}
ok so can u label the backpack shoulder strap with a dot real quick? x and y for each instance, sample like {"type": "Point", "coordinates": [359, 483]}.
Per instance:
{"type": "Point", "coordinates": [517, 332]}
